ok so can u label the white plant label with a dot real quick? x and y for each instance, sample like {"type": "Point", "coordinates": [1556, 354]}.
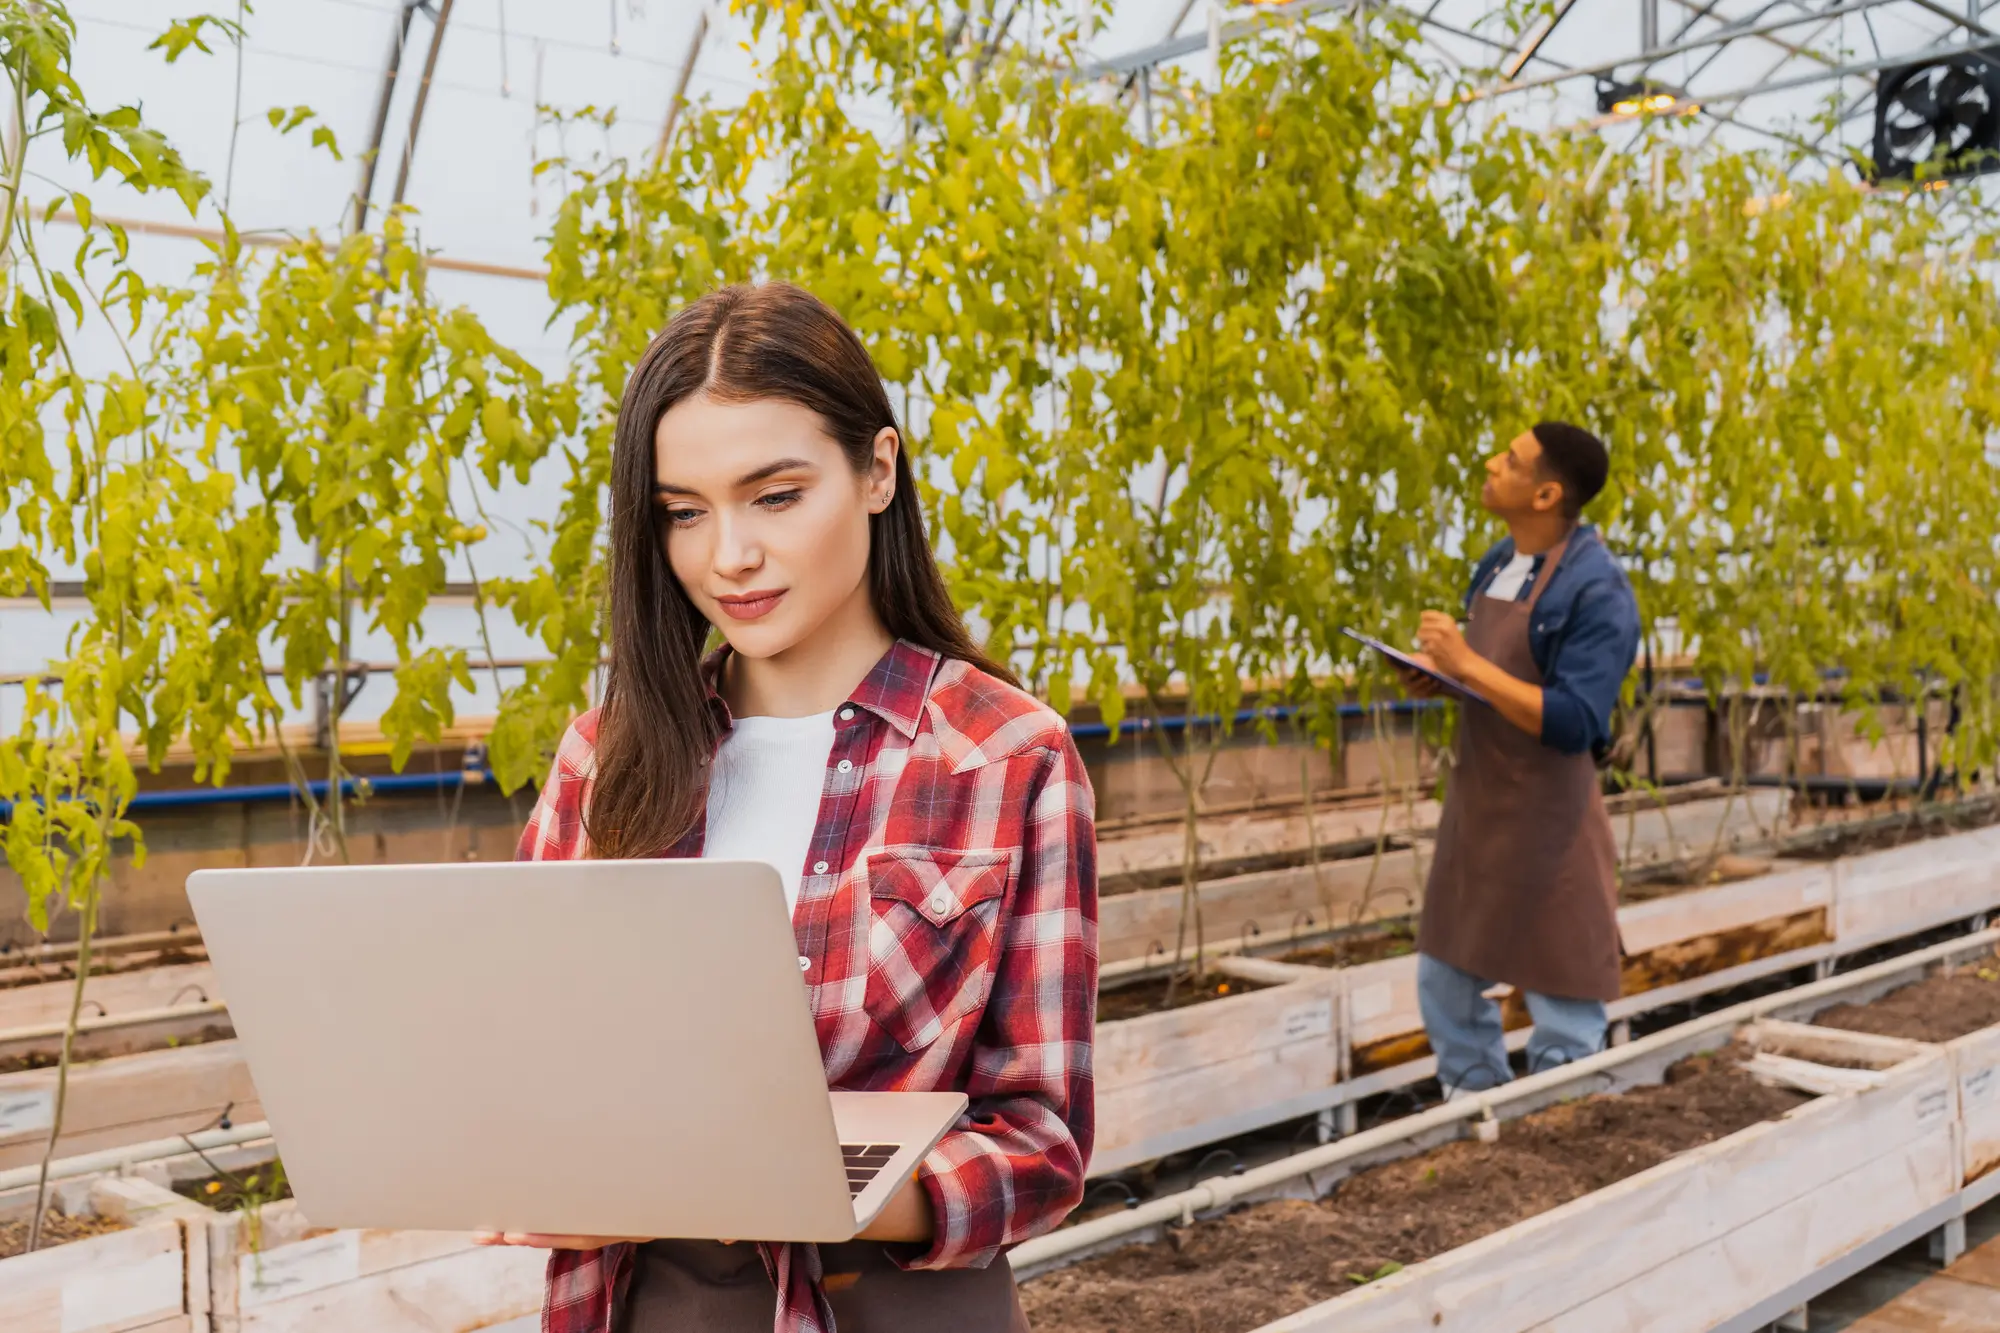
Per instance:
{"type": "Point", "coordinates": [302, 1266]}
{"type": "Point", "coordinates": [1307, 1020]}
{"type": "Point", "coordinates": [1931, 1105]}
{"type": "Point", "coordinates": [1817, 892]}
{"type": "Point", "coordinates": [119, 1295]}
{"type": "Point", "coordinates": [27, 1112]}
{"type": "Point", "coordinates": [1372, 1001]}
{"type": "Point", "coordinates": [1978, 1086]}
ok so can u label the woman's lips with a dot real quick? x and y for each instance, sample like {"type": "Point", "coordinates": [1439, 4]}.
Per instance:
{"type": "Point", "coordinates": [750, 605]}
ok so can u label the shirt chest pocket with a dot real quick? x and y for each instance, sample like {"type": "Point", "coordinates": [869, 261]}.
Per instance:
{"type": "Point", "coordinates": [932, 937]}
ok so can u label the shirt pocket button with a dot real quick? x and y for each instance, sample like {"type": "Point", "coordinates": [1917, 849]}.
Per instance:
{"type": "Point", "coordinates": [940, 902]}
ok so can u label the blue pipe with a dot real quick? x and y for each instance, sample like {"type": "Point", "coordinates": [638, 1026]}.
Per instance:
{"type": "Point", "coordinates": [1097, 730]}
{"type": "Point", "coordinates": [181, 798]}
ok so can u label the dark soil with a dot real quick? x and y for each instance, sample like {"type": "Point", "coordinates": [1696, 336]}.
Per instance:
{"type": "Point", "coordinates": [232, 1191]}
{"type": "Point", "coordinates": [1268, 1260]}
{"type": "Point", "coordinates": [1869, 836]}
{"type": "Point", "coordinates": [1150, 996]}
{"type": "Point", "coordinates": [1937, 1008]}
{"type": "Point", "coordinates": [1727, 868]}
{"type": "Point", "coordinates": [57, 1229]}
{"type": "Point", "coordinates": [20, 969]}
{"type": "Point", "coordinates": [1397, 940]}
{"type": "Point", "coordinates": [14, 1064]}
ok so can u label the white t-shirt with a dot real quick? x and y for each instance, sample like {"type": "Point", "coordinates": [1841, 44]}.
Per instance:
{"type": "Point", "coordinates": [763, 798]}
{"type": "Point", "coordinates": [1506, 585]}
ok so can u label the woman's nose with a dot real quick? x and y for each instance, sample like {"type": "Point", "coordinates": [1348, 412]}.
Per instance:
{"type": "Point", "coordinates": [736, 548]}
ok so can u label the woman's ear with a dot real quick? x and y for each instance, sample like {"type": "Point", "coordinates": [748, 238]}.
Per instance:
{"type": "Point", "coordinates": [882, 471]}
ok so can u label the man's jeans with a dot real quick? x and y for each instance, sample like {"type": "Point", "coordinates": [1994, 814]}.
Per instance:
{"type": "Point", "coordinates": [1465, 1032]}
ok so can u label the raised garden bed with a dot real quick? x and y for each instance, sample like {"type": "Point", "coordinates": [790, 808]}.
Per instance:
{"type": "Point", "coordinates": [126, 1099]}
{"type": "Point", "coordinates": [117, 1256]}
{"type": "Point", "coordinates": [1152, 995]}
{"type": "Point", "coordinates": [1271, 1259]}
{"type": "Point", "coordinates": [270, 1270]}
{"type": "Point", "coordinates": [1216, 1069]}
{"type": "Point", "coordinates": [1268, 888]}
{"type": "Point", "coordinates": [1598, 1214]}
{"type": "Point", "coordinates": [1959, 1007]}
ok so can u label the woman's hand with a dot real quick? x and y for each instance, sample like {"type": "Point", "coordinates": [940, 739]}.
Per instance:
{"type": "Point", "coordinates": [906, 1217]}
{"type": "Point", "coordinates": [540, 1240]}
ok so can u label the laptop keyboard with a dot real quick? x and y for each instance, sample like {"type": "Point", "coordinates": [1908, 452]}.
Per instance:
{"type": "Point", "coordinates": [864, 1162]}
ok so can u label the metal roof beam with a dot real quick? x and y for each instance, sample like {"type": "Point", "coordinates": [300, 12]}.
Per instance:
{"type": "Point", "coordinates": [439, 19]}
{"type": "Point", "coordinates": [392, 70]}
{"type": "Point", "coordinates": [1798, 50]}
{"type": "Point", "coordinates": [1968, 20]}
{"type": "Point", "coordinates": [1917, 57]}
{"type": "Point", "coordinates": [1514, 64]}
{"type": "Point", "coordinates": [1175, 47]}
{"type": "Point", "coordinates": [1720, 37]}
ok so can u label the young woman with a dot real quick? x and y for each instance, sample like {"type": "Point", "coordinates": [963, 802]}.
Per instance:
{"type": "Point", "coordinates": [931, 823]}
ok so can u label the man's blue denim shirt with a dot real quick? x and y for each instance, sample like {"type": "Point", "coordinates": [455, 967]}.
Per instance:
{"type": "Point", "coordinates": [1584, 636]}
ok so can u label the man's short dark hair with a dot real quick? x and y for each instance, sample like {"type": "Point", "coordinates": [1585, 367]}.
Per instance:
{"type": "Point", "coordinates": [1574, 457]}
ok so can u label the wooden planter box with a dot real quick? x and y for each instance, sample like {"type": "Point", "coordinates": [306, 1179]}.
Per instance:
{"type": "Point", "coordinates": [108, 995]}
{"type": "Point", "coordinates": [126, 1099]}
{"type": "Point", "coordinates": [1707, 1235]}
{"type": "Point", "coordinates": [1162, 1078]}
{"type": "Point", "coordinates": [1270, 904]}
{"type": "Point", "coordinates": [1904, 889]}
{"type": "Point", "coordinates": [284, 1275]}
{"type": "Point", "coordinates": [1167, 1082]}
{"type": "Point", "coordinates": [151, 1277]}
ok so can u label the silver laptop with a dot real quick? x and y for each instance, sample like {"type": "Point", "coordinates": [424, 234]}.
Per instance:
{"type": "Point", "coordinates": [616, 1048]}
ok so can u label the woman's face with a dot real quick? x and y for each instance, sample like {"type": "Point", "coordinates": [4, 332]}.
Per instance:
{"type": "Point", "coordinates": [765, 522]}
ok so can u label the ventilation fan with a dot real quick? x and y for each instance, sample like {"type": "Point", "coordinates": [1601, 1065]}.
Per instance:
{"type": "Point", "coordinates": [1941, 117]}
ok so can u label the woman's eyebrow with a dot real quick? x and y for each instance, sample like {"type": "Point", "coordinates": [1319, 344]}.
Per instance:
{"type": "Point", "coordinates": [750, 478]}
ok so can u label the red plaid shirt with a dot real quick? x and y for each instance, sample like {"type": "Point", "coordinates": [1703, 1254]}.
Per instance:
{"type": "Point", "coordinates": [940, 775]}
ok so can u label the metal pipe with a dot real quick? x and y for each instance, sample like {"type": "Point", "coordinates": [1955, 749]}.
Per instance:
{"type": "Point", "coordinates": [423, 98]}
{"type": "Point", "coordinates": [180, 798]}
{"type": "Point", "coordinates": [110, 1159]}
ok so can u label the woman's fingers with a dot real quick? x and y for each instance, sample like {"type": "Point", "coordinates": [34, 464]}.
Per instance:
{"type": "Point", "coordinates": [542, 1240]}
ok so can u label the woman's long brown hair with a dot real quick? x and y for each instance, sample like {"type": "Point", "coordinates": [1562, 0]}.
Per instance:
{"type": "Point", "coordinates": [656, 734]}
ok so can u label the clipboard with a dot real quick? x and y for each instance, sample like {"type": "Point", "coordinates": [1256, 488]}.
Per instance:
{"type": "Point", "coordinates": [1401, 659]}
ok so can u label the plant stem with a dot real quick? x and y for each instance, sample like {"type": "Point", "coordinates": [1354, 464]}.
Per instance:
{"type": "Point", "coordinates": [86, 927]}
{"type": "Point", "coordinates": [17, 159]}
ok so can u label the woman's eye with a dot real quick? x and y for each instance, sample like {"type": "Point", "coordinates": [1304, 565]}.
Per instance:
{"type": "Point", "coordinates": [778, 500]}
{"type": "Point", "coordinates": [680, 518]}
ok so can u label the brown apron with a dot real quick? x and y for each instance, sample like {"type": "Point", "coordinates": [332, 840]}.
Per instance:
{"type": "Point", "coordinates": [1524, 885]}
{"type": "Point", "coordinates": [704, 1286]}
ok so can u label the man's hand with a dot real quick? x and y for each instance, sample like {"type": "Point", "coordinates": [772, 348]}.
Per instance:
{"type": "Point", "coordinates": [538, 1240]}
{"type": "Point", "coordinates": [1416, 683]}
{"type": "Point", "coordinates": [1439, 636]}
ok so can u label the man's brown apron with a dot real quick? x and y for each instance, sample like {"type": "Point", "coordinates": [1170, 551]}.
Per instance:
{"type": "Point", "coordinates": [1524, 886]}
{"type": "Point", "coordinates": [704, 1286]}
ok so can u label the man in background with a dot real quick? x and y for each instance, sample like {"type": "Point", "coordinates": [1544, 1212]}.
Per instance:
{"type": "Point", "coordinates": [1523, 889]}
